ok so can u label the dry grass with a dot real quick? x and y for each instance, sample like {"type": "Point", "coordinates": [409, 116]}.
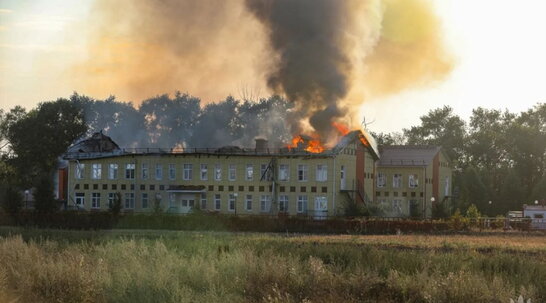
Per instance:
{"type": "Point", "coordinates": [125, 266]}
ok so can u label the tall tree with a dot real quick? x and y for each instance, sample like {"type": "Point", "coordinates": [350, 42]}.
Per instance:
{"type": "Point", "coordinates": [40, 137]}
{"type": "Point", "coordinates": [440, 127]}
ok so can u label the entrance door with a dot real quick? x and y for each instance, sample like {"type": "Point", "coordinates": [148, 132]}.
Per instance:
{"type": "Point", "coordinates": [187, 205]}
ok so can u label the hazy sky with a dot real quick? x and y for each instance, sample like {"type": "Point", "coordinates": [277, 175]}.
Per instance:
{"type": "Point", "coordinates": [499, 49]}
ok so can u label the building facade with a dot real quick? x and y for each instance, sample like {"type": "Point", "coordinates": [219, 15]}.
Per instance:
{"type": "Point", "coordinates": [412, 179]}
{"type": "Point", "coordinates": [229, 180]}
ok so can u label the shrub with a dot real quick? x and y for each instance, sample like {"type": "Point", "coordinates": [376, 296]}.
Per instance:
{"type": "Point", "coordinates": [115, 207]}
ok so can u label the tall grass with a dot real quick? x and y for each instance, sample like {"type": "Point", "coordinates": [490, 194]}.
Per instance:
{"type": "Point", "coordinates": [69, 266]}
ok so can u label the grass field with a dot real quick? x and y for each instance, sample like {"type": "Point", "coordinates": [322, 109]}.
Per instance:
{"type": "Point", "coordinates": [169, 266]}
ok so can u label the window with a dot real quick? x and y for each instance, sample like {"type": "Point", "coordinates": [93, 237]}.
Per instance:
{"type": "Point", "coordinates": [144, 200]}
{"type": "Point", "coordinates": [232, 172]}
{"type": "Point", "coordinates": [145, 172]}
{"type": "Point", "coordinates": [158, 172]}
{"type": "Point", "coordinates": [217, 202]}
{"type": "Point", "coordinates": [204, 201]}
{"type": "Point", "coordinates": [95, 200]}
{"type": "Point", "coordinates": [204, 172]}
{"type": "Point", "coordinates": [130, 171]}
{"type": "Point", "coordinates": [265, 203]}
{"type": "Point", "coordinates": [249, 172]}
{"type": "Point", "coordinates": [321, 203]}
{"type": "Point", "coordinates": [80, 170]}
{"type": "Point", "coordinates": [217, 172]}
{"type": "Point", "coordinates": [283, 203]}
{"type": "Point", "coordinates": [263, 170]}
{"type": "Point", "coordinates": [302, 204]}
{"type": "Point", "coordinates": [188, 171]}
{"type": "Point", "coordinates": [302, 172]}
{"type": "Point", "coordinates": [283, 172]}
{"type": "Point", "coordinates": [172, 172]}
{"type": "Point", "coordinates": [111, 199]}
{"type": "Point", "coordinates": [381, 180]}
{"type": "Point", "coordinates": [129, 200]}
{"type": "Point", "coordinates": [172, 200]}
{"type": "Point", "coordinates": [413, 181]}
{"type": "Point", "coordinates": [96, 171]}
{"type": "Point", "coordinates": [112, 171]}
{"type": "Point", "coordinates": [322, 172]}
{"type": "Point", "coordinates": [397, 180]}
{"type": "Point", "coordinates": [80, 199]}
{"type": "Point", "coordinates": [231, 202]}
{"type": "Point", "coordinates": [446, 186]}
{"type": "Point", "coordinates": [397, 206]}
{"type": "Point", "coordinates": [248, 203]}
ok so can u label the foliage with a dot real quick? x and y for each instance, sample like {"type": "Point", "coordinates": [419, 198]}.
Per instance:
{"type": "Point", "coordinates": [156, 207]}
{"type": "Point", "coordinates": [44, 201]}
{"type": "Point", "coordinates": [11, 200]}
{"type": "Point", "coordinates": [115, 207]}
{"type": "Point", "coordinates": [458, 222]}
{"type": "Point", "coordinates": [472, 212]}
{"type": "Point", "coordinates": [69, 266]}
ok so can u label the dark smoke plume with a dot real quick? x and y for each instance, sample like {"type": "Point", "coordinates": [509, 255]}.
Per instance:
{"type": "Point", "coordinates": [308, 41]}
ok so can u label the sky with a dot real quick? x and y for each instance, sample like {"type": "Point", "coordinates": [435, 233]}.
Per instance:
{"type": "Point", "coordinates": [498, 48]}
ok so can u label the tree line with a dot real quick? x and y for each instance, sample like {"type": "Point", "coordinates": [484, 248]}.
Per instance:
{"type": "Point", "coordinates": [497, 156]}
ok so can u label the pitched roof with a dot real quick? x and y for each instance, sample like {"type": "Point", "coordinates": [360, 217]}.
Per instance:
{"type": "Point", "coordinates": [98, 142]}
{"type": "Point", "coordinates": [407, 155]}
{"type": "Point", "coordinates": [364, 137]}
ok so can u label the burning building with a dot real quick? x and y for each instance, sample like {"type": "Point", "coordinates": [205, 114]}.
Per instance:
{"type": "Point", "coordinates": [300, 179]}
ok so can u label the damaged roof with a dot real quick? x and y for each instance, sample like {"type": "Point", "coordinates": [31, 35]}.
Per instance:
{"type": "Point", "coordinates": [97, 143]}
{"type": "Point", "coordinates": [408, 155]}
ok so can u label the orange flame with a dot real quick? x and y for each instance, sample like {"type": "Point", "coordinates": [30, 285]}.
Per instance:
{"type": "Point", "coordinates": [341, 128]}
{"type": "Point", "coordinates": [313, 145]}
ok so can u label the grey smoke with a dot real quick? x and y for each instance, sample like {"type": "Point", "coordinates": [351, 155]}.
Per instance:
{"type": "Point", "coordinates": [312, 69]}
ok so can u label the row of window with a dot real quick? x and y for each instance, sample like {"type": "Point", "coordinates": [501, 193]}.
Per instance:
{"type": "Point", "coordinates": [395, 194]}
{"type": "Point", "coordinates": [128, 201]}
{"type": "Point", "coordinates": [413, 180]}
{"type": "Point", "coordinates": [187, 172]}
{"type": "Point", "coordinates": [231, 188]}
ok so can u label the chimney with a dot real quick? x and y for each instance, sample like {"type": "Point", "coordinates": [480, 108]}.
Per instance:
{"type": "Point", "coordinates": [261, 145]}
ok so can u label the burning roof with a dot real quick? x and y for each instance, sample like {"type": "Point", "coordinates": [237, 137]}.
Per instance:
{"type": "Point", "coordinates": [98, 142]}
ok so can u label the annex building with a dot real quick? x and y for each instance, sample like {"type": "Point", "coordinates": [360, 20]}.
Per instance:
{"type": "Point", "coordinates": [256, 181]}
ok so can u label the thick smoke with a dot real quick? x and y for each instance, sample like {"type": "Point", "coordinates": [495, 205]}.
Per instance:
{"type": "Point", "coordinates": [313, 67]}
{"type": "Point", "coordinates": [325, 56]}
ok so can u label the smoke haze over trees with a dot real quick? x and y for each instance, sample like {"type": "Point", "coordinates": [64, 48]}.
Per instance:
{"type": "Point", "coordinates": [498, 156]}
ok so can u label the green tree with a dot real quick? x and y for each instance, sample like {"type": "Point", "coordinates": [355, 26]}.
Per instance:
{"type": "Point", "coordinates": [40, 137]}
{"type": "Point", "coordinates": [12, 200]}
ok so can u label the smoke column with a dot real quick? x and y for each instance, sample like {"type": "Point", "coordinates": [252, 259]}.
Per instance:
{"type": "Point", "coordinates": [326, 56]}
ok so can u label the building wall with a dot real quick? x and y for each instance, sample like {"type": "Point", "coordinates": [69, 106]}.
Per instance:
{"type": "Point", "coordinates": [403, 200]}
{"type": "Point", "coordinates": [292, 187]}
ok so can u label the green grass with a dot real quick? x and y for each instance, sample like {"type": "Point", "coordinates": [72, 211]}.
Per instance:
{"type": "Point", "coordinates": [169, 266]}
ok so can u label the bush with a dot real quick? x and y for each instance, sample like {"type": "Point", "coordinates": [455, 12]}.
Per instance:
{"type": "Point", "coordinates": [115, 207]}
{"type": "Point", "coordinates": [12, 200]}
{"type": "Point", "coordinates": [458, 222]}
